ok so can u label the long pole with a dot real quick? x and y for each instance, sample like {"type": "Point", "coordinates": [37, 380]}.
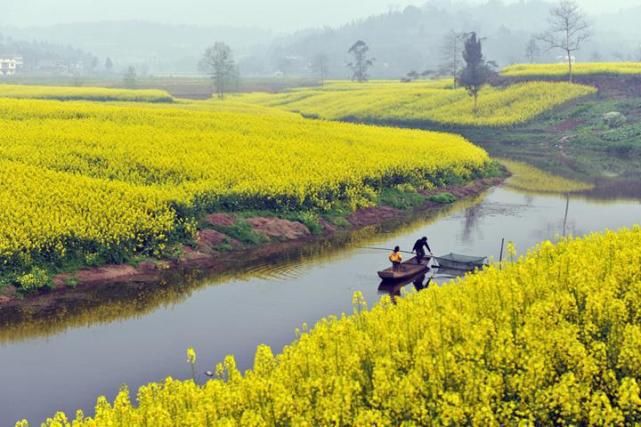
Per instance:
{"type": "Point", "coordinates": [387, 249]}
{"type": "Point", "coordinates": [501, 254]}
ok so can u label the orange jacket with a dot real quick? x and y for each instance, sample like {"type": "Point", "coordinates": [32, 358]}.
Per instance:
{"type": "Point", "coordinates": [395, 257]}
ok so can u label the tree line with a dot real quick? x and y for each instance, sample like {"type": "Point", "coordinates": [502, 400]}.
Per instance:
{"type": "Point", "coordinates": [461, 54]}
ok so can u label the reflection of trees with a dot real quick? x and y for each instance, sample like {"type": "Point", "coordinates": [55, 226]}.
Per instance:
{"type": "Point", "coordinates": [472, 216]}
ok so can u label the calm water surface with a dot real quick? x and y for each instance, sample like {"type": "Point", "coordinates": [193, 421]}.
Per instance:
{"type": "Point", "coordinates": [77, 358]}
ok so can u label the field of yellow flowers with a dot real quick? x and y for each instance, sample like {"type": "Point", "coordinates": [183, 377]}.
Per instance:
{"type": "Point", "coordinates": [425, 102]}
{"type": "Point", "coordinates": [83, 93]}
{"type": "Point", "coordinates": [551, 339]}
{"type": "Point", "coordinates": [580, 69]}
{"type": "Point", "coordinates": [95, 181]}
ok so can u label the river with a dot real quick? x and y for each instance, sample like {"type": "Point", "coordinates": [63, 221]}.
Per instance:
{"type": "Point", "coordinates": [65, 363]}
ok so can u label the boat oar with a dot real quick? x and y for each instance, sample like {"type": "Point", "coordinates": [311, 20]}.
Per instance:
{"type": "Point", "coordinates": [387, 249]}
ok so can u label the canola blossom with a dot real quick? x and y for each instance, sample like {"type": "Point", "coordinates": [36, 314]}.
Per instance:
{"type": "Point", "coordinates": [528, 178]}
{"type": "Point", "coordinates": [95, 180]}
{"type": "Point", "coordinates": [420, 103]}
{"type": "Point", "coordinates": [579, 69]}
{"type": "Point", "coordinates": [100, 94]}
{"type": "Point", "coordinates": [551, 339]}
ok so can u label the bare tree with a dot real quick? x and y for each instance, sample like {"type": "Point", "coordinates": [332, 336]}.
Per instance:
{"type": "Point", "coordinates": [361, 63]}
{"type": "Point", "coordinates": [568, 30]}
{"type": "Point", "coordinates": [320, 66]}
{"type": "Point", "coordinates": [218, 62]}
{"type": "Point", "coordinates": [451, 54]}
{"type": "Point", "coordinates": [532, 51]}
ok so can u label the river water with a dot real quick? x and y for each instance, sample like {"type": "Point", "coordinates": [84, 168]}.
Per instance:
{"type": "Point", "coordinates": [66, 362]}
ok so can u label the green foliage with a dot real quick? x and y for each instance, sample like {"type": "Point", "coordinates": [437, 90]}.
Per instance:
{"type": "Point", "coordinates": [37, 278]}
{"type": "Point", "coordinates": [243, 232]}
{"type": "Point", "coordinates": [493, 169]}
{"type": "Point", "coordinates": [401, 197]}
{"type": "Point", "coordinates": [443, 198]}
{"type": "Point", "coordinates": [310, 219]}
{"type": "Point", "coordinates": [476, 72]}
{"type": "Point", "coordinates": [614, 119]}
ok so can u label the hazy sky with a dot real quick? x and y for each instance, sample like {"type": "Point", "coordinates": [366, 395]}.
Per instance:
{"type": "Point", "coordinates": [283, 15]}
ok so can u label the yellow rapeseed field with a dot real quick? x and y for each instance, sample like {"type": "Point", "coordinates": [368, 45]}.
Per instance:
{"type": "Point", "coordinates": [424, 102]}
{"type": "Point", "coordinates": [580, 69]}
{"type": "Point", "coordinates": [553, 339]}
{"type": "Point", "coordinates": [105, 180]}
{"type": "Point", "coordinates": [83, 93]}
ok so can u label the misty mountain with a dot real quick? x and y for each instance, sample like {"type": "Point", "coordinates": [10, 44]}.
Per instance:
{"type": "Point", "coordinates": [412, 39]}
{"type": "Point", "coordinates": [400, 40]}
{"type": "Point", "coordinates": [148, 46]}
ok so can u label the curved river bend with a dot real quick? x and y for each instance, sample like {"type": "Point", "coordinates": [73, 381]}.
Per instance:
{"type": "Point", "coordinates": [65, 363]}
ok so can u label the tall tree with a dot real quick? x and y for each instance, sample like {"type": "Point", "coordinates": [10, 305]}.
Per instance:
{"type": "Point", "coordinates": [361, 63]}
{"type": "Point", "coordinates": [109, 65]}
{"type": "Point", "coordinates": [451, 54]}
{"type": "Point", "coordinates": [477, 71]}
{"type": "Point", "coordinates": [568, 30]}
{"type": "Point", "coordinates": [218, 62]}
{"type": "Point", "coordinates": [532, 51]}
{"type": "Point", "coordinates": [130, 78]}
{"type": "Point", "coordinates": [320, 66]}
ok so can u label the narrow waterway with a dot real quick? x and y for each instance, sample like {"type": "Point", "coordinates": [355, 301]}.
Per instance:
{"type": "Point", "coordinates": [65, 363]}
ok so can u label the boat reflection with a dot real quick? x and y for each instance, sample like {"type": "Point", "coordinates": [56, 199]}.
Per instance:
{"type": "Point", "coordinates": [420, 282]}
{"type": "Point", "coordinates": [394, 288]}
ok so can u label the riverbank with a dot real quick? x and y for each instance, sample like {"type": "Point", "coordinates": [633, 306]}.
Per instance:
{"type": "Point", "coordinates": [226, 240]}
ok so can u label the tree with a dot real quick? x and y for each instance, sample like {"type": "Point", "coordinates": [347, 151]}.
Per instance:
{"type": "Point", "coordinates": [361, 63]}
{"type": "Point", "coordinates": [130, 78]}
{"type": "Point", "coordinates": [320, 66]}
{"type": "Point", "coordinates": [532, 51]}
{"type": "Point", "coordinates": [218, 62]}
{"type": "Point", "coordinates": [477, 72]}
{"type": "Point", "coordinates": [567, 32]}
{"type": "Point", "coordinates": [109, 65]}
{"type": "Point", "coordinates": [451, 51]}
{"type": "Point", "coordinates": [93, 64]}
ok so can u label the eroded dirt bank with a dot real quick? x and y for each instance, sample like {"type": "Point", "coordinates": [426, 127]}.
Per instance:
{"type": "Point", "coordinates": [213, 253]}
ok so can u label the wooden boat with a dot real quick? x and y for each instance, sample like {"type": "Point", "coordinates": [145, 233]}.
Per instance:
{"type": "Point", "coordinates": [406, 270]}
{"type": "Point", "coordinates": [460, 262]}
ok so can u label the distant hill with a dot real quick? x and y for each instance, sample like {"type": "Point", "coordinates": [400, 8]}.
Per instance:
{"type": "Point", "coordinates": [411, 39]}
{"type": "Point", "coordinates": [401, 41]}
{"type": "Point", "coordinates": [157, 47]}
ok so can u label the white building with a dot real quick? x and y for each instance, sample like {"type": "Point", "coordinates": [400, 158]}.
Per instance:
{"type": "Point", "coordinates": [9, 66]}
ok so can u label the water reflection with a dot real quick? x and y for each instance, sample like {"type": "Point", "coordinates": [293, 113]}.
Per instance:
{"type": "Point", "coordinates": [394, 289]}
{"type": "Point", "coordinates": [93, 342]}
{"type": "Point", "coordinates": [51, 315]}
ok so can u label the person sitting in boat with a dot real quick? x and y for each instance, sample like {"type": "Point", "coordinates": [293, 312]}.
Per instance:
{"type": "Point", "coordinates": [419, 248]}
{"type": "Point", "coordinates": [396, 258]}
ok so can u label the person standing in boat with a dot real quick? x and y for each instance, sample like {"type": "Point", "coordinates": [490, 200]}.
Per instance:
{"type": "Point", "coordinates": [419, 248]}
{"type": "Point", "coordinates": [396, 258]}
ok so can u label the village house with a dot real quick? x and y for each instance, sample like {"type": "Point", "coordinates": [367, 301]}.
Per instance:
{"type": "Point", "coordinates": [9, 66]}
